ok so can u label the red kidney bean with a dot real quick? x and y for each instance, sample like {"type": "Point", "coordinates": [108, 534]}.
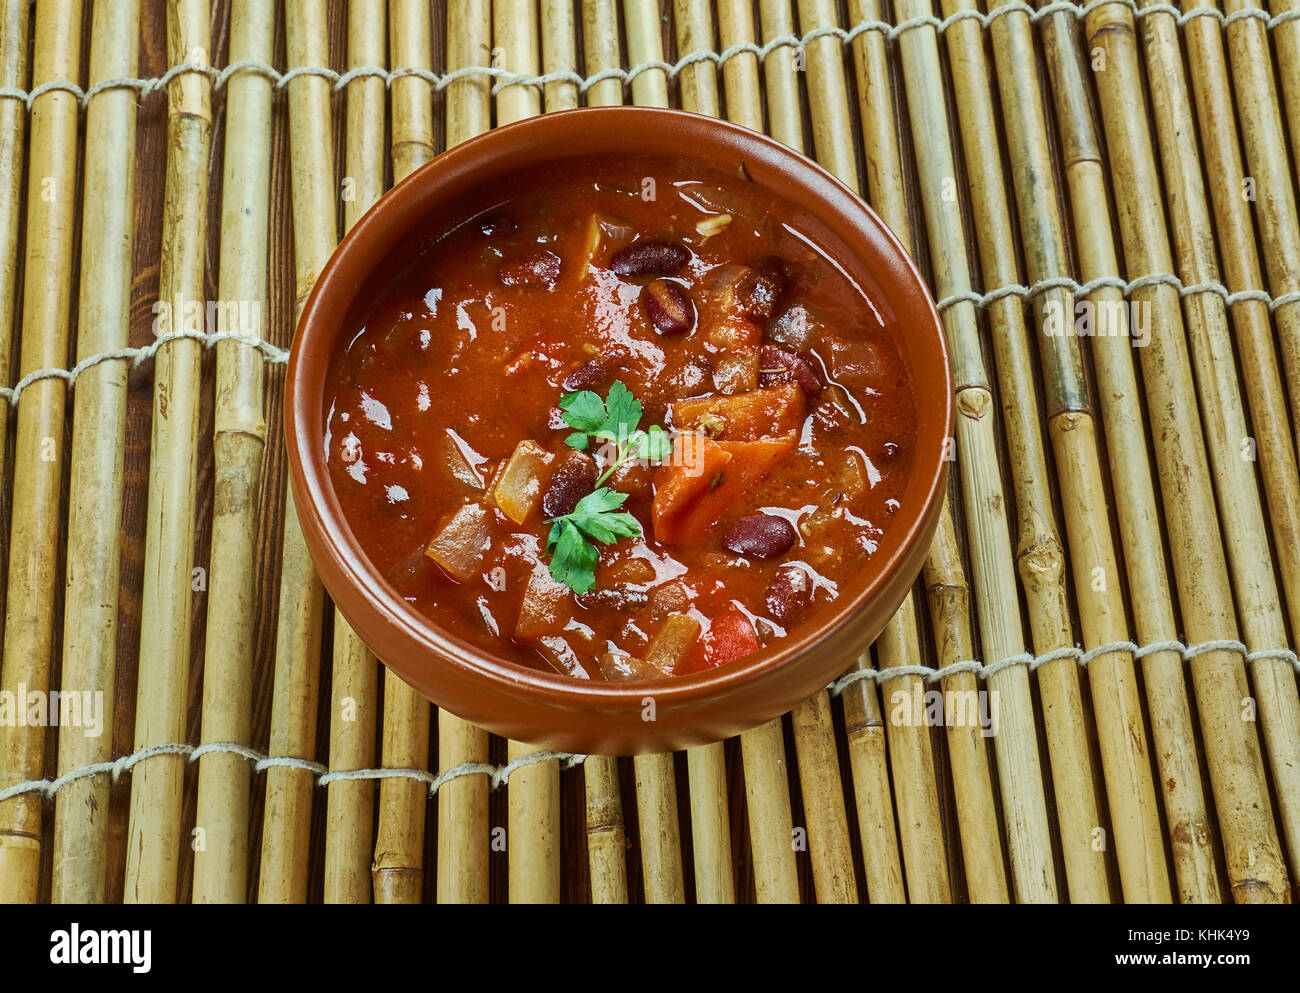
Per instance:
{"type": "Point", "coordinates": [760, 536]}
{"type": "Point", "coordinates": [756, 294]}
{"type": "Point", "coordinates": [596, 372]}
{"type": "Point", "coordinates": [668, 306]}
{"type": "Point", "coordinates": [572, 480]}
{"type": "Point", "coordinates": [649, 258]}
{"type": "Point", "coordinates": [789, 595]}
{"type": "Point", "coordinates": [776, 269]}
{"type": "Point", "coordinates": [541, 270]}
{"type": "Point", "coordinates": [776, 365]}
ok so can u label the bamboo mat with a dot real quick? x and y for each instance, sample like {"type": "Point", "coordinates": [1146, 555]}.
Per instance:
{"type": "Point", "coordinates": [1120, 563]}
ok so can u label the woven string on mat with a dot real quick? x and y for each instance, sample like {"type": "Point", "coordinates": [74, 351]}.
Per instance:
{"type": "Point", "coordinates": [275, 355]}
{"type": "Point", "coordinates": [505, 77]}
{"type": "Point", "coordinates": [499, 775]}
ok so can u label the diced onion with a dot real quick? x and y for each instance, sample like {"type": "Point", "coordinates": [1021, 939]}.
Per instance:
{"type": "Point", "coordinates": [461, 542]}
{"type": "Point", "coordinates": [673, 641]}
{"type": "Point", "coordinates": [519, 488]}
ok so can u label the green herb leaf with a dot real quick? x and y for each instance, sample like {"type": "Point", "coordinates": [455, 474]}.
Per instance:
{"type": "Point", "coordinates": [596, 518]}
{"type": "Point", "coordinates": [583, 411]}
{"type": "Point", "coordinates": [658, 445]}
{"type": "Point", "coordinates": [599, 501]}
{"type": "Point", "coordinates": [572, 539]}
{"type": "Point", "coordinates": [624, 413]}
{"type": "Point", "coordinates": [573, 561]}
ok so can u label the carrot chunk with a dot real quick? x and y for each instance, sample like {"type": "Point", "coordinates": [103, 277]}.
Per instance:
{"type": "Point", "coordinates": [695, 463]}
{"type": "Point", "coordinates": [773, 410]}
{"type": "Point", "coordinates": [693, 511]}
{"type": "Point", "coordinates": [731, 636]}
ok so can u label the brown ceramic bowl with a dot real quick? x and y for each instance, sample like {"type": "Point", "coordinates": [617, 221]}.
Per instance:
{"type": "Point", "coordinates": [552, 710]}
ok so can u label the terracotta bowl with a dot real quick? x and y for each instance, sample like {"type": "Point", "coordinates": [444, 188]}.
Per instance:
{"type": "Point", "coordinates": [551, 710]}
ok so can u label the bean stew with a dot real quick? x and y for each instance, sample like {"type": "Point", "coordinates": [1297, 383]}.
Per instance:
{"type": "Point", "coordinates": [628, 422]}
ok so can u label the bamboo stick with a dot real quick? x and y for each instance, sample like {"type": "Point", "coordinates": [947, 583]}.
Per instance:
{"type": "Point", "coordinates": [867, 735]}
{"type": "Point", "coordinates": [1259, 603]}
{"type": "Point", "coordinates": [13, 131]}
{"type": "Point", "coordinates": [514, 31]}
{"type": "Point", "coordinates": [410, 45]}
{"type": "Point", "coordinates": [1020, 773]}
{"type": "Point", "coordinates": [354, 693]}
{"type": "Point", "coordinates": [398, 869]}
{"type": "Point", "coordinates": [706, 764]}
{"type": "Point", "coordinates": [828, 101]}
{"type": "Point", "coordinates": [883, 161]}
{"type": "Point", "coordinates": [947, 590]}
{"type": "Point", "coordinates": [154, 832]}
{"type": "Point", "coordinates": [1271, 175]}
{"type": "Point", "coordinates": [740, 80]}
{"type": "Point", "coordinates": [915, 795]}
{"type": "Point", "coordinates": [864, 727]}
{"type": "Point", "coordinates": [948, 595]}
{"type": "Point", "coordinates": [1139, 517]}
{"type": "Point", "coordinates": [38, 456]}
{"type": "Point", "coordinates": [834, 879]}
{"type": "Point", "coordinates": [781, 74]}
{"type": "Point", "coordinates": [95, 498]}
{"type": "Point", "coordinates": [1121, 733]}
{"type": "Point", "coordinates": [699, 80]}
{"type": "Point", "coordinates": [661, 852]}
{"type": "Point", "coordinates": [1256, 869]}
{"type": "Point", "coordinates": [1286, 39]}
{"type": "Point", "coordinates": [706, 768]}
{"type": "Point", "coordinates": [463, 801]}
{"type": "Point", "coordinates": [601, 51]}
{"type": "Point", "coordinates": [771, 824]}
{"type": "Point", "coordinates": [286, 822]}
{"type": "Point", "coordinates": [559, 53]}
{"type": "Point", "coordinates": [815, 751]}
{"type": "Point", "coordinates": [606, 835]}
{"type": "Point", "coordinates": [534, 798]}
{"type": "Point", "coordinates": [239, 435]}
{"type": "Point", "coordinates": [644, 45]}
{"type": "Point", "coordinates": [469, 43]}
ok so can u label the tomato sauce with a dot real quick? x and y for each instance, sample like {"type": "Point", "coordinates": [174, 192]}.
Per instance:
{"type": "Point", "coordinates": [788, 416]}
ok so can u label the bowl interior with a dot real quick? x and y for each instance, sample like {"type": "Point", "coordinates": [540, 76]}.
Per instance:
{"type": "Point", "coordinates": [476, 176]}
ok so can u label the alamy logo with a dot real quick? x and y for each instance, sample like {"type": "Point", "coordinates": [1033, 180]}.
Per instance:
{"type": "Point", "coordinates": [58, 708]}
{"type": "Point", "coordinates": [948, 708]}
{"type": "Point", "coordinates": [77, 947]}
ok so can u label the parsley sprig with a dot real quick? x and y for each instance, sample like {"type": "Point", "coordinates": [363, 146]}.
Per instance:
{"type": "Point", "coordinates": [614, 419]}
{"type": "Point", "coordinates": [597, 518]}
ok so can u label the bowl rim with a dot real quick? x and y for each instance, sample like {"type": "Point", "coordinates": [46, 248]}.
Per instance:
{"type": "Point", "coordinates": [380, 229]}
